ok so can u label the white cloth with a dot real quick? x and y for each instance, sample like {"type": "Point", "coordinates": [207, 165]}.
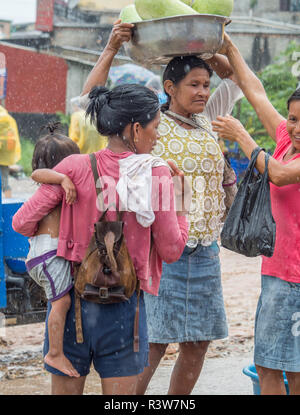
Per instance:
{"type": "Point", "coordinates": [222, 101]}
{"type": "Point", "coordinates": [135, 185]}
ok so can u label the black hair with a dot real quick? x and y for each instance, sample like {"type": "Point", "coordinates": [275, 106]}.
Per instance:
{"type": "Point", "coordinates": [52, 148]}
{"type": "Point", "coordinates": [294, 97]}
{"type": "Point", "coordinates": [178, 68]}
{"type": "Point", "coordinates": [112, 110]}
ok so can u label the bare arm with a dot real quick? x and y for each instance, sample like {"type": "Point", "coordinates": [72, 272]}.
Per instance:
{"type": "Point", "coordinates": [279, 174]}
{"type": "Point", "coordinates": [221, 66]}
{"type": "Point", "coordinates": [121, 33]}
{"type": "Point", "coordinates": [252, 88]}
{"type": "Point", "coordinates": [48, 176]}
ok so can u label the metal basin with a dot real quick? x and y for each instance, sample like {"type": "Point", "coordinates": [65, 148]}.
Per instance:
{"type": "Point", "coordinates": [159, 40]}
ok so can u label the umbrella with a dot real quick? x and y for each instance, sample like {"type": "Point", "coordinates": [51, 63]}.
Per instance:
{"type": "Point", "coordinates": [129, 74]}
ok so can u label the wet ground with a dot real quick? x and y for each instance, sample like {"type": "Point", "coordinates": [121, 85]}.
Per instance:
{"type": "Point", "coordinates": [21, 364]}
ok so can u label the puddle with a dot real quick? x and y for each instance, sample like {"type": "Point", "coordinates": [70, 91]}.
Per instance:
{"type": "Point", "coordinates": [21, 363]}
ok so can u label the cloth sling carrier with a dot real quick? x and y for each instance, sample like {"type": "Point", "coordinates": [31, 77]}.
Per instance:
{"type": "Point", "coordinates": [106, 274]}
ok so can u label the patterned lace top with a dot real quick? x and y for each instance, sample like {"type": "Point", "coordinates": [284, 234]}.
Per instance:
{"type": "Point", "coordinates": [199, 156]}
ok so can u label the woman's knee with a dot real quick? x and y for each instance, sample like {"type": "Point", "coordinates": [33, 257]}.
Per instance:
{"type": "Point", "coordinates": [192, 349]}
{"type": "Point", "coordinates": [265, 373]}
{"type": "Point", "coordinates": [293, 381]}
{"type": "Point", "coordinates": [158, 348]}
{"type": "Point", "coordinates": [65, 385]}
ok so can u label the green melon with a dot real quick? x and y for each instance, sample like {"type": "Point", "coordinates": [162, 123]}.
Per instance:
{"type": "Point", "coordinates": [155, 9]}
{"type": "Point", "coordinates": [220, 7]}
{"type": "Point", "coordinates": [129, 14]}
{"type": "Point", "coordinates": [188, 2]}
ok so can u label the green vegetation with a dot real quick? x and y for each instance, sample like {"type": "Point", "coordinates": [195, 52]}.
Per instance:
{"type": "Point", "coordinates": [279, 83]}
{"type": "Point", "coordinates": [64, 119]}
{"type": "Point", "coordinates": [27, 147]}
{"type": "Point", "coordinates": [253, 3]}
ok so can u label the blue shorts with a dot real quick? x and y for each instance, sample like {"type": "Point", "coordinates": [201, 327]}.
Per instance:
{"type": "Point", "coordinates": [108, 339]}
{"type": "Point", "coordinates": [277, 325]}
{"type": "Point", "coordinates": [190, 305]}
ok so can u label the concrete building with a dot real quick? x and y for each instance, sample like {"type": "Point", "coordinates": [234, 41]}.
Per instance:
{"type": "Point", "coordinates": [262, 29]}
{"type": "Point", "coordinates": [279, 10]}
{"type": "Point", "coordinates": [261, 40]}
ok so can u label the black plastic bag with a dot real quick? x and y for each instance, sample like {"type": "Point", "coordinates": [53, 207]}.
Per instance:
{"type": "Point", "coordinates": [250, 228]}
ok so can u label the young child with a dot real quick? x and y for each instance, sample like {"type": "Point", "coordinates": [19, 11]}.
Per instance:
{"type": "Point", "coordinates": [49, 271]}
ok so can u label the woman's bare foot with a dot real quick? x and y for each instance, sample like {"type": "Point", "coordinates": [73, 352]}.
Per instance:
{"type": "Point", "coordinates": [60, 362]}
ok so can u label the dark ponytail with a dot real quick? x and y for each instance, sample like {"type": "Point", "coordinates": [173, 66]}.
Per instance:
{"type": "Point", "coordinates": [52, 127]}
{"type": "Point", "coordinates": [111, 111]}
{"type": "Point", "coordinates": [178, 68]}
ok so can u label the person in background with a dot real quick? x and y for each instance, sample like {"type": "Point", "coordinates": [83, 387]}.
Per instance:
{"type": "Point", "coordinates": [155, 85]}
{"type": "Point", "coordinates": [83, 132]}
{"type": "Point", "coordinates": [277, 335]}
{"type": "Point", "coordinates": [10, 148]}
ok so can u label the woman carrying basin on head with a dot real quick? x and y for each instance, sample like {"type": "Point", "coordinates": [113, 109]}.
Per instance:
{"type": "Point", "coordinates": [189, 308]}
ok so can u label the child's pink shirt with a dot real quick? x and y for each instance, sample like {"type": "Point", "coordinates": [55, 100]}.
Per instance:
{"type": "Point", "coordinates": [285, 262]}
{"type": "Point", "coordinates": [169, 231]}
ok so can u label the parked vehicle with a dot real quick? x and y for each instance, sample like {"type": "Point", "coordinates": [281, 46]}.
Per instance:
{"type": "Point", "coordinates": [22, 301]}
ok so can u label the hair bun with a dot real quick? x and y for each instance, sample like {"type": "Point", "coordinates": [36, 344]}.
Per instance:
{"type": "Point", "coordinates": [100, 95]}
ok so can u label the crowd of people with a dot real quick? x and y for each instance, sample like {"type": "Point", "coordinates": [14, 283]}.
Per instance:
{"type": "Point", "coordinates": [175, 251]}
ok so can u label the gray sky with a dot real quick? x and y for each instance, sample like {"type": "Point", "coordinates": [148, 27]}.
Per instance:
{"type": "Point", "coordinates": [19, 11]}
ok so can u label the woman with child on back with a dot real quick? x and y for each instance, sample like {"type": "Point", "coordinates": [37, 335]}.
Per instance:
{"type": "Point", "coordinates": [129, 115]}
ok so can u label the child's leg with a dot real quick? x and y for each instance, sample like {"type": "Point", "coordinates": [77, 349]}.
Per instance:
{"type": "Point", "coordinates": [56, 324]}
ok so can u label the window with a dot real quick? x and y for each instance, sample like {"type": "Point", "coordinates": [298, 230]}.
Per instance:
{"type": "Point", "coordinates": [290, 5]}
{"type": "Point", "coordinates": [285, 5]}
{"type": "Point", "coordinates": [295, 6]}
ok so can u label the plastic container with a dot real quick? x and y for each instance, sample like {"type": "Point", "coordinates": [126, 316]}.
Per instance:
{"type": "Point", "coordinates": [17, 265]}
{"type": "Point", "coordinates": [251, 372]}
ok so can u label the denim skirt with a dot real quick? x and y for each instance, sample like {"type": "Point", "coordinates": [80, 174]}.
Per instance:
{"type": "Point", "coordinates": [277, 325]}
{"type": "Point", "coordinates": [189, 306]}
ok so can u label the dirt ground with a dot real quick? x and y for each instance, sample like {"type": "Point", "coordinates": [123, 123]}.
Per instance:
{"type": "Point", "coordinates": [21, 364]}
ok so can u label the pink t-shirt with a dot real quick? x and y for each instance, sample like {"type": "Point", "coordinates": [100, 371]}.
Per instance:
{"type": "Point", "coordinates": [285, 262]}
